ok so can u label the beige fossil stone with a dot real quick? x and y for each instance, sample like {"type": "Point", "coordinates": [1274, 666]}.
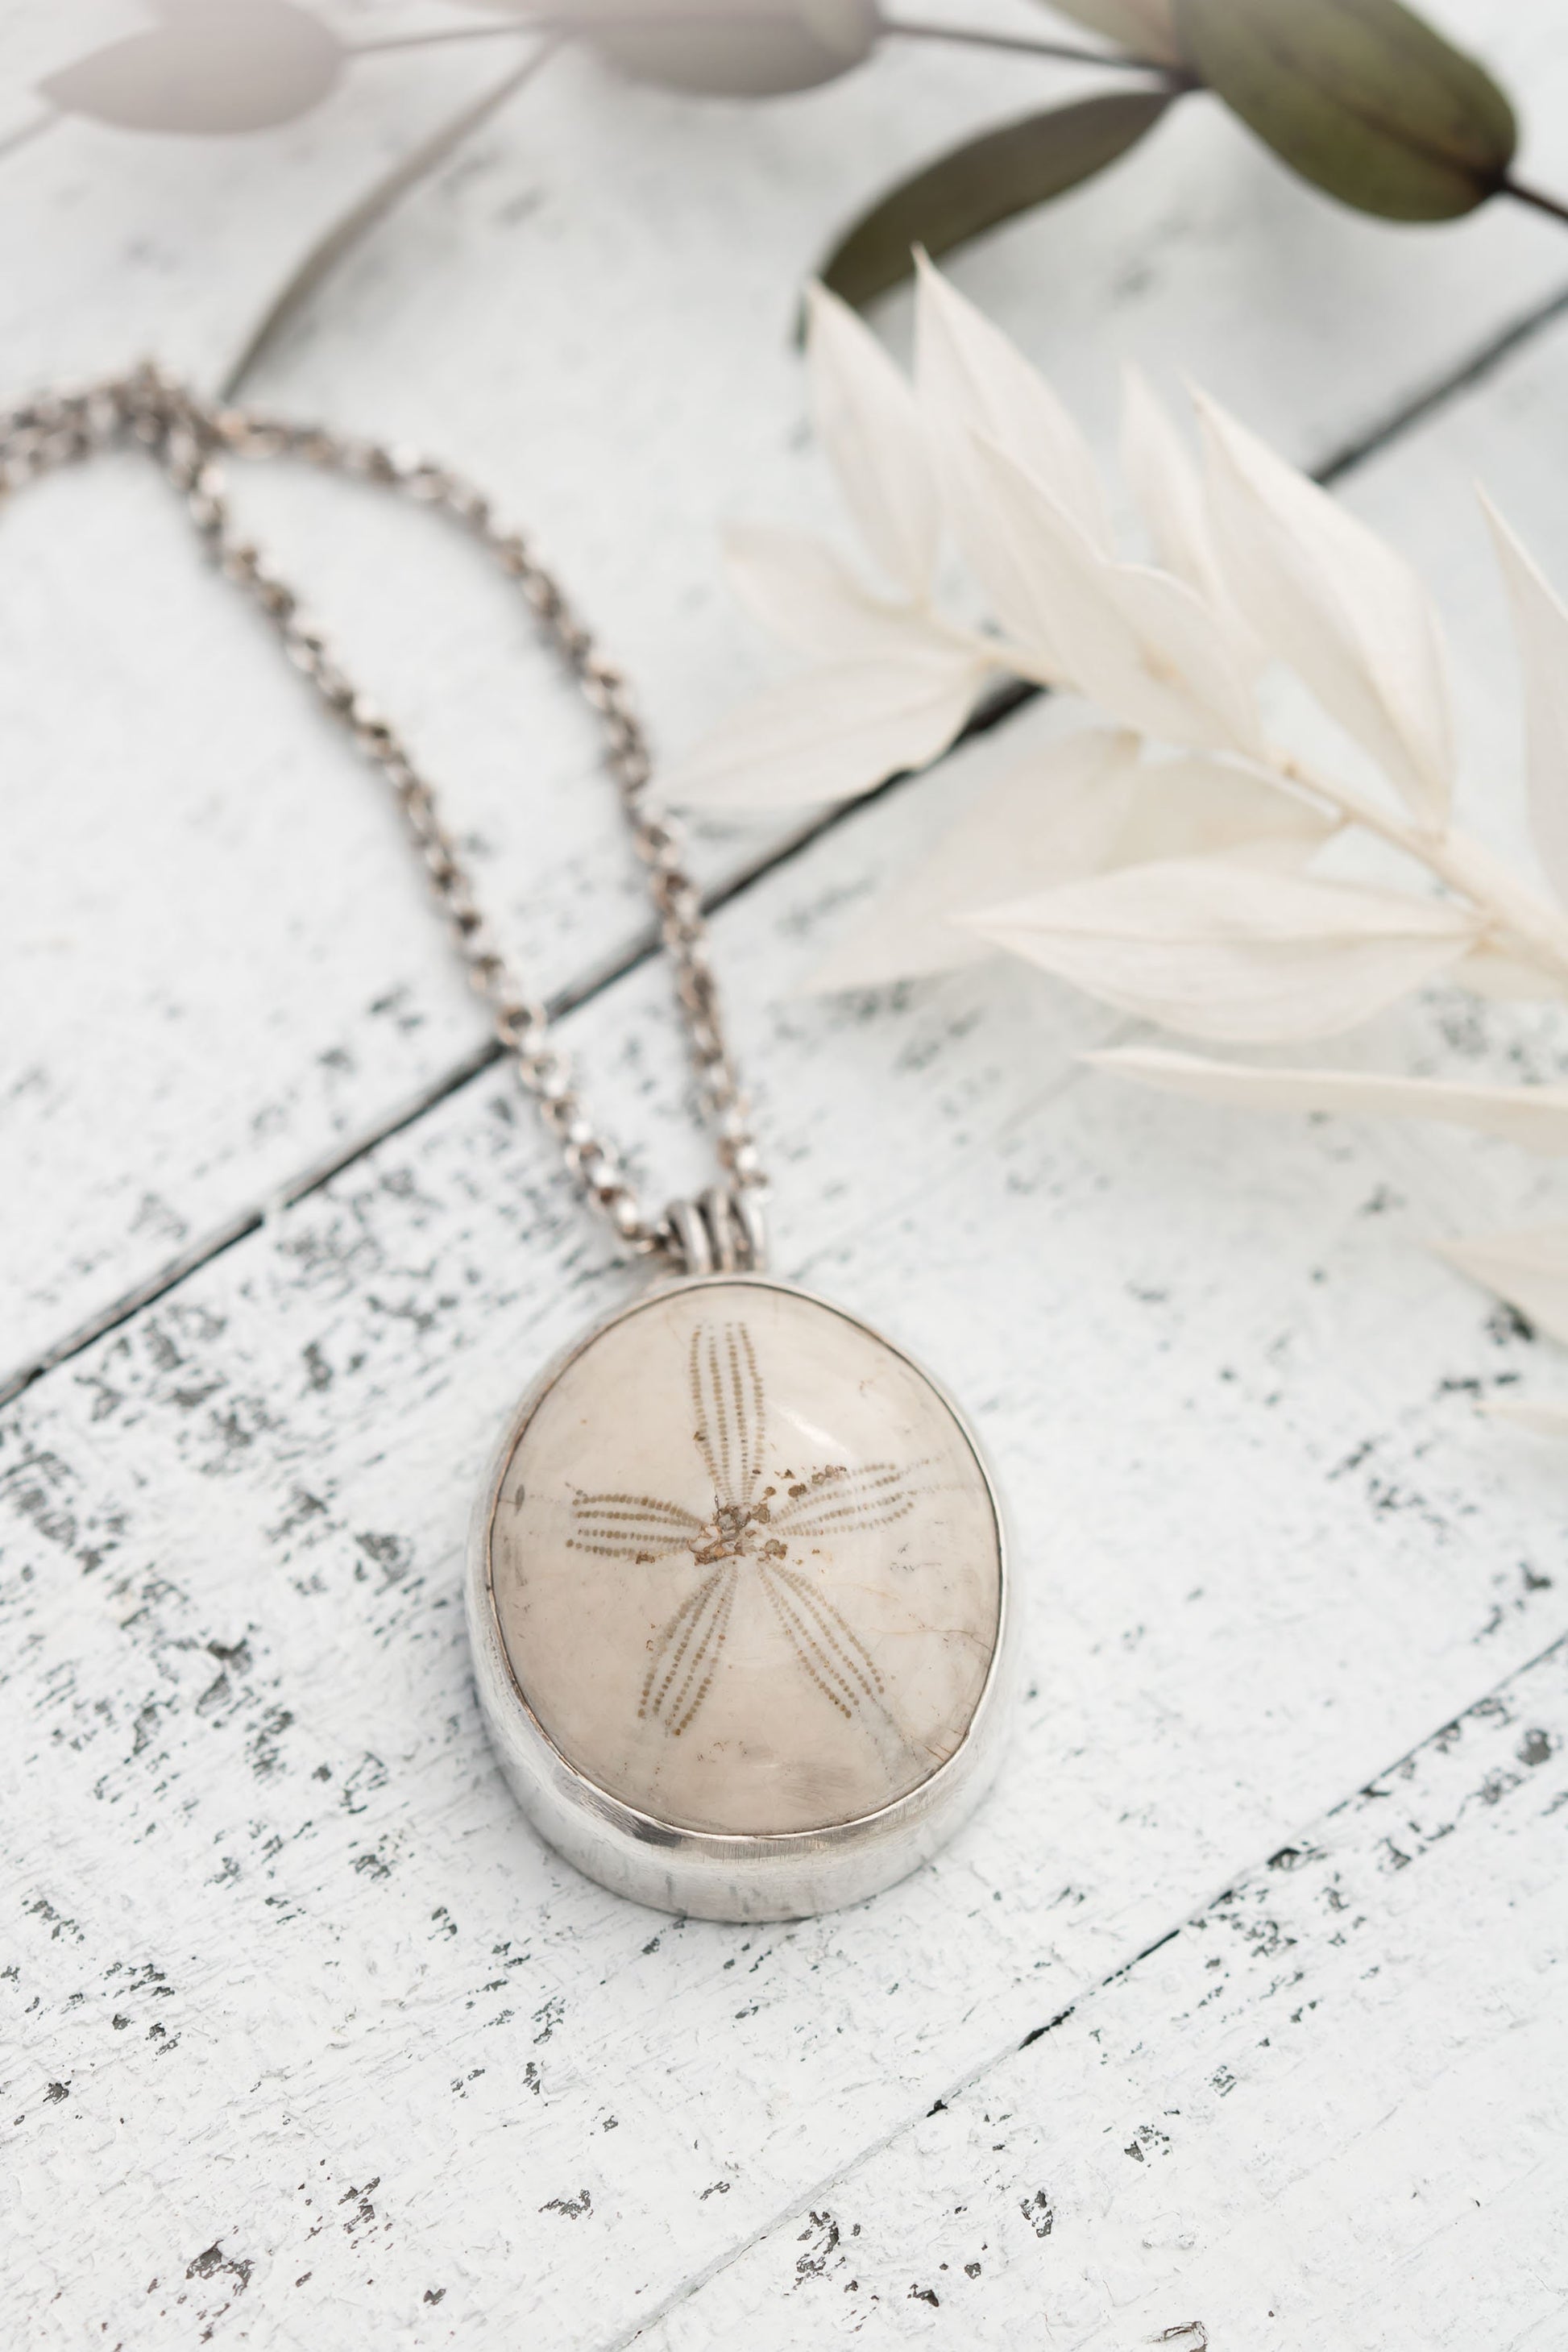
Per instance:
{"type": "Point", "coordinates": [747, 1566]}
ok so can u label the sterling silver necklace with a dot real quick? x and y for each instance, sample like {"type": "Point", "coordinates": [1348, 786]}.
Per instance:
{"type": "Point", "coordinates": [738, 1596]}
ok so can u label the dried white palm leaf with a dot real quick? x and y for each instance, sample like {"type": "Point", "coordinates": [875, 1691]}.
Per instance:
{"type": "Point", "coordinates": [1508, 979]}
{"type": "Point", "coordinates": [867, 421]}
{"type": "Point", "coordinates": [833, 732]}
{"type": "Point", "coordinates": [972, 382]}
{"type": "Point", "coordinates": [1221, 949]}
{"type": "Point", "coordinates": [1056, 814]}
{"type": "Point", "coordinates": [1534, 1118]}
{"type": "Point", "coordinates": [1529, 1269]}
{"type": "Point", "coordinates": [1079, 805]}
{"type": "Point", "coordinates": [1167, 652]}
{"type": "Point", "coordinates": [1172, 888]}
{"type": "Point", "coordinates": [1138, 642]}
{"type": "Point", "coordinates": [1168, 486]}
{"type": "Point", "coordinates": [1540, 626]}
{"type": "Point", "coordinates": [802, 593]}
{"type": "Point", "coordinates": [1193, 807]}
{"type": "Point", "coordinates": [1550, 1420]}
{"type": "Point", "coordinates": [1335, 601]}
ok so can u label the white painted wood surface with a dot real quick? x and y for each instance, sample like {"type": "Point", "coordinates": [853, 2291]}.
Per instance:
{"type": "Point", "coordinates": [272, 962]}
{"type": "Point", "coordinates": [308, 2041]}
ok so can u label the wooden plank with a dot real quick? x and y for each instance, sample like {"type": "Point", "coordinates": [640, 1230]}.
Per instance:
{"type": "Point", "coordinates": [1326, 2107]}
{"type": "Point", "coordinates": [276, 993]}
{"type": "Point", "coordinates": [1268, 1545]}
{"type": "Point", "coordinates": [116, 243]}
{"type": "Point", "coordinates": [302, 2019]}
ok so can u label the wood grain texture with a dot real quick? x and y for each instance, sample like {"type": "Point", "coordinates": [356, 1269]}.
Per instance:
{"type": "Point", "coordinates": [308, 2041]}
{"type": "Point", "coordinates": [1303, 2115]}
{"type": "Point", "coordinates": [113, 243]}
{"type": "Point", "coordinates": [273, 962]}
{"type": "Point", "coordinates": [1268, 1545]}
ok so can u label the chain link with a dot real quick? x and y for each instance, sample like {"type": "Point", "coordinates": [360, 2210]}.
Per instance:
{"type": "Point", "coordinates": [189, 440]}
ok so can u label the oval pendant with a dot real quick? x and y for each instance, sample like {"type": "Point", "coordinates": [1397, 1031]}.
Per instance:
{"type": "Point", "coordinates": [738, 1604]}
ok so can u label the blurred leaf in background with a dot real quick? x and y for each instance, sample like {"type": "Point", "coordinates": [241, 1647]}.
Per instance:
{"type": "Point", "coordinates": [208, 66]}
{"type": "Point", "coordinates": [1001, 173]}
{"type": "Point", "coordinates": [1362, 98]}
{"type": "Point", "coordinates": [726, 49]}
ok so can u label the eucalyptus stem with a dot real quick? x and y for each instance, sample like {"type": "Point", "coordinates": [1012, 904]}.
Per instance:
{"type": "Point", "coordinates": [1522, 194]}
{"type": "Point", "coordinates": [368, 210]}
{"type": "Point", "coordinates": [1066, 52]}
{"type": "Point", "coordinates": [586, 25]}
{"type": "Point", "coordinates": [583, 26]}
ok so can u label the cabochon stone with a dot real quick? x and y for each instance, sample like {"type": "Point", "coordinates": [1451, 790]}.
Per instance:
{"type": "Point", "coordinates": [746, 1567]}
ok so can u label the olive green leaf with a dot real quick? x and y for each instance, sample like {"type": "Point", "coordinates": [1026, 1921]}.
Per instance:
{"type": "Point", "coordinates": [1361, 98]}
{"type": "Point", "coordinates": [1002, 172]}
{"type": "Point", "coordinates": [209, 66]}
{"type": "Point", "coordinates": [1145, 28]}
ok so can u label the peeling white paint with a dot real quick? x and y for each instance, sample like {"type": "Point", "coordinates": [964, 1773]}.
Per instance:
{"type": "Point", "coordinates": [308, 2042]}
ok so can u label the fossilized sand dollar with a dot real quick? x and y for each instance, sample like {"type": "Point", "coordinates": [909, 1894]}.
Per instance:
{"type": "Point", "coordinates": [746, 1565]}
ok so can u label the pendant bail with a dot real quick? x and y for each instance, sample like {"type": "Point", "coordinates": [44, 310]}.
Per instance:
{"type": "Point", "coordinates": [723, 1232]}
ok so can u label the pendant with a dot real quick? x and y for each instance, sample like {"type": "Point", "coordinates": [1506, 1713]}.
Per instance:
{"type": "Point", "coordinates": [738, 1604]}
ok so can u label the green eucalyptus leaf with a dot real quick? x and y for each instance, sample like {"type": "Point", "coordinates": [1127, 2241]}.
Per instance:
{"type": "Point", "coordinates": [996, 176]}
{"type": "Point", "coordinates": [1360, 97]}
{"type": "Point", "coordinates": [1146, 28]}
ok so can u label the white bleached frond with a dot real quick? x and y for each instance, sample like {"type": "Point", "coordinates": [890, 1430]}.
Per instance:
{"type": "Point", "coordinates": [1541, 628]}
{"type": "Point", "coordinates": [972, 382]}
{"type": "Point", "coordinates": [1534, 1118]}
{"type": "Point", "coordinates": [1222, 950]}
{"type": "Point", "coordinates": [869, 424]}
{"type": "Point", "coordinates": [1054, 814]}
{"type": "Point", "coordinates": [1079, 805]}
{"type": "Point", "coordinates": [1138, 642]}
{"type": "Point", "coordinates": [802, 593]}
{"type": "Point", "coordinates": [1164, 477]}
{"type": "Point", "coordinates": [1547, 1418]}
{"type": "Point", "coordinates": [1333, 601]}
{"type": "Point", "coordinates": [1193, 807]}
{"type": "Point", "coordinates": [831, 733]}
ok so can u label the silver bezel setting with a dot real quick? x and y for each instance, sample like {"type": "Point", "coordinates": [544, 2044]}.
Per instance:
{"type": "Point", "coordinates": [706, 1875]}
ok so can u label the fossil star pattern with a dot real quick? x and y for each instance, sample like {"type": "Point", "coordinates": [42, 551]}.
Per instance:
{"type": "Point", "coordinates": [752, 1531]}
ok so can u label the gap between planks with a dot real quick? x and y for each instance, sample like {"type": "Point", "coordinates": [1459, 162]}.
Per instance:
{"type": "Point", "coordinates": [1475, 369]}
{"type": "Point", "coordinates": [1313, 1842]}
{"type": "Point", "coordinates": [606, 973]}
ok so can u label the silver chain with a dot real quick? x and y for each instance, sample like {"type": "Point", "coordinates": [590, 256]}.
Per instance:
{"type": "Point", "coordinates": [188, 440]}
